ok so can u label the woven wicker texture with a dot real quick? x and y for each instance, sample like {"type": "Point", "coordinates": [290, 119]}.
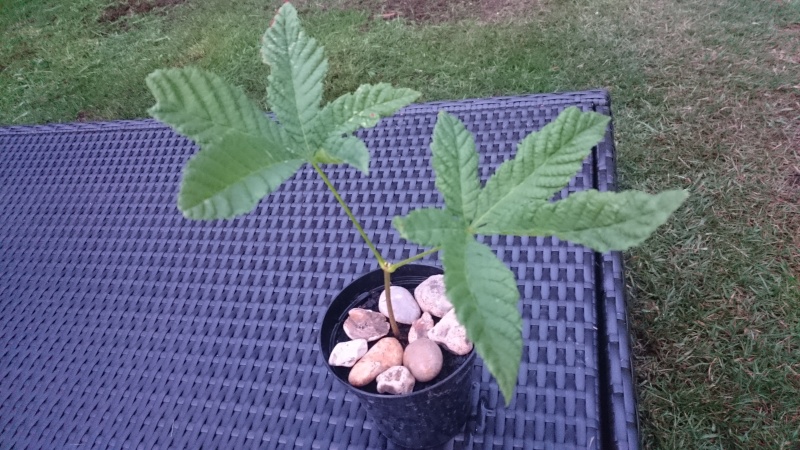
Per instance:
{"type": "Point", "coordinates": [123, 325]}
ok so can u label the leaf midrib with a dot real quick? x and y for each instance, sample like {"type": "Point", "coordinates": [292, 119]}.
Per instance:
{"type": "Point", "coordinates": [240, 179]}
{"type": "Point", "coordinates": [483, 317]}
{"type": "Point", "coordinates": [521, 183]}
{"type": "Point", "coordinates": [538, 231]}
{"type": "Point", "coordinates": [291, 53]}
{"type": "Point", "coordinates": [470, 285]}
{"type": "Point", "coordinates": [208, 118]}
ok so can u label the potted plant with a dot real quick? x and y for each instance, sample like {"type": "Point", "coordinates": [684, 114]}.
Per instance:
{"type": "Point", "coordinates": [245, 155]}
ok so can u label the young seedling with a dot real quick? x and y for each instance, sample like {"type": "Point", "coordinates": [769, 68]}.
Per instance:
{"type": "Point", "coordinates": [245, 155]}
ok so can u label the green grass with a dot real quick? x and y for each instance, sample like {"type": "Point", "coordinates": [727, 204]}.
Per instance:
{"type": "Point", "coordinates": [706, 97]}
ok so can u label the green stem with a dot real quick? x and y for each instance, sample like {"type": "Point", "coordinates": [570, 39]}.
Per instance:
{"type": "Point", "coordinates": [349, 213]}
{"type": "Point", "coordinates": [387, 267]}
{"type": "Point", "coordinates": [387, 284]}
{"type": "Point", "coordinates": [395, 266]}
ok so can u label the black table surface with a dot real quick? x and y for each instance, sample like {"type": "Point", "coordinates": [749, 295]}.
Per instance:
{"type": "Point", "coordinates": [124, 325]}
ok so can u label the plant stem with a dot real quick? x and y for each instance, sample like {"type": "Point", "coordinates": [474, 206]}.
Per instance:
{"type": "Point", "coordinates": [395, 266]}
{"type": "Point", "coordinates": [387, 284]}
{"type": "Point", "coordinates": [387, 267]}
{"type": "Point", "coordinates": [349, 213]}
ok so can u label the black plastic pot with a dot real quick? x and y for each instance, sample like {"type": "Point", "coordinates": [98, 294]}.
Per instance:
{"type": "Point", "coordinates": [428, 417]}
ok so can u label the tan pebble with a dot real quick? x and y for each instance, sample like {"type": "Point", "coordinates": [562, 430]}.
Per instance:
{"type": "Point", "coordinates": [420, 328]}
{"type": "Point", "coordinates": [431, 296]}
{"type": "Point", "coordinates": [345, 354]}
{"type": "Point", "coordinates": [384, 354]}
{"type": "Point", "coordinates": [396, 380]}
{"type": "Point", "coordinates": [451, 334]}
{"type": "Point", "coordinates": [424, 359]}
{"type": "Point", "coordinates": [365, 324]}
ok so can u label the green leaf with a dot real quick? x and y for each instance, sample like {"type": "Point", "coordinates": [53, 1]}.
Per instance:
{"type": "Point", "coordinates": [361, 109]}
{"type": "Point", "coordinates": [229, 177]}
{"type": "Point", "coordinates": [364, 108]}
{"type": "Point", "coordinates": [429, 227]}
{"type": "Point", "coordinates": [203, 107]}
{"type": "Point", "coordinates": [485, 295]}
{"type": "Point", "coordinates": [456, 164]}
{"type": "Point", "coordinates": [297, 68]}
{"type": "Point", "coordinates": [601, 220]}
{"type": "Point", "coordinates": [350, 150]}
{"type": "Point", "coordinates": [544, 164]}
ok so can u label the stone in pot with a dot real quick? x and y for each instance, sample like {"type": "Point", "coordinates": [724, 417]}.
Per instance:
{"type": "Point", "coordinates": [423, 358]}
{"type": "Point", "coordinates": [384, 354]}
{"type": "Point", "coordinates": [396, 380]}
{"type": "Point", "coordinates": [451, 334]}
{"type": "Point", "coordinates": [345, 354]}
{"type": "Point", "coordinates": [420, 328]}
{"type": "Point", "coordinates": [365, 324]}
{"type": "Point", "coordinates": [430, 295]}
{"type": "Point", "coordinates": [404, 306]}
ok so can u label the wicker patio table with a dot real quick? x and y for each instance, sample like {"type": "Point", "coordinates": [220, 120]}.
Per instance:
{"type": "Point", "coordinates": [124, 325]}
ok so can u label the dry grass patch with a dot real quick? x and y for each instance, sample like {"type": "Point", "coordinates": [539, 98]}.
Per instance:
{"type": "Point", "coordinates": [437, 11]}
{"type": "Point", "coordinates": [129, 8]}
{"type": "Point", "coordinates": [787, 47]}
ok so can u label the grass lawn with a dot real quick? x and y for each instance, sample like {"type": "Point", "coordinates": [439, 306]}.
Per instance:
{"type": "Point", "coordinates": [706, 97]}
